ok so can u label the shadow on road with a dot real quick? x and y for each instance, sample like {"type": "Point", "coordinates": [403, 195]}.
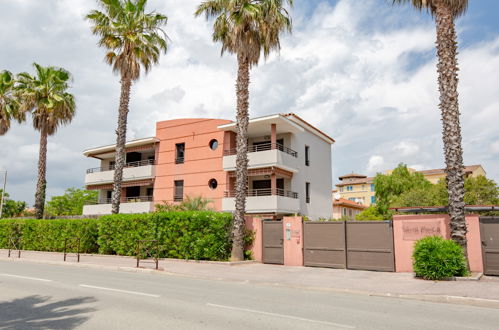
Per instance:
{"type": "Point", "coordinates": [33, 312]}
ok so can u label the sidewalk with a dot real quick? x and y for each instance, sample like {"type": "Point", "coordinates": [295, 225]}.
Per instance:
{"type": "Point", "coordinates": [483, 293]}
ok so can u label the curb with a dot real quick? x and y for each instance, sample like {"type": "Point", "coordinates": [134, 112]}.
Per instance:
{"type": "Point", "coordinates": [448, 299]}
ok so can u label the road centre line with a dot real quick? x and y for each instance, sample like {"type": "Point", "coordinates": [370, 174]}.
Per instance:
{"type": "Point", "coordinates": [27, 277]}
{"type": "Point", "coordinates": [338, 325]}
{"type": "Point", "coordinates": [118, 290]}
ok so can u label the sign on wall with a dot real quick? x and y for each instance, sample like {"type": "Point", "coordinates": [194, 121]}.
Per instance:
{"type": "Point", "coordinates": [414, 231]}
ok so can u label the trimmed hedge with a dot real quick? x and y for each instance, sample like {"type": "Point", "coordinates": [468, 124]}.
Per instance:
{"type": "Point", "coordinates": [198, 235]}
{"type": "Point", "coordinates": [435, 258]}
{"type": "Point", "coordinates": [49, 235]}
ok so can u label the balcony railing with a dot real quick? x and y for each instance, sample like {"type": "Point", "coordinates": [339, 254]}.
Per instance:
{"type": "Point", "coordinates": [264, 147]}
{"type": "Point", "coordinates": [127, 165]}
{"type": "Point", "coordinates": [137, 199]}
{"type": "Point", "coordinates": [264, 192]}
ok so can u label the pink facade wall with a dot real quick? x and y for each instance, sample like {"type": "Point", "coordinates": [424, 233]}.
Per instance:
{"type": "Point", "coordinates": [407, 229]}
{"type": "Point", "coordinates": [201, 163]}
{"type": "Point", "coordinates": [293, 241]}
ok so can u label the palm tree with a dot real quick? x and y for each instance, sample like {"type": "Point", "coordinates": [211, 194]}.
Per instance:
{"type": "Point", "coordinates": [134, 40]}
{"type": "Point", "coordinates": [245, 28]}
{"type": "Point", "coordinates": [445, 12]}
{"type": "Point", "coordinates": [9, 105]}
{"type": "Point", "coordinates": [45, 96]}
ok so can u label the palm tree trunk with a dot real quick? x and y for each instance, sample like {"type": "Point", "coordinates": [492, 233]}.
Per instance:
{"type": "Point", "coordinates": [242, 90]}
{"type": "Point", "coordinates": [41, 184]}
{"type": "Point", "coordinates": [449, 107]}
{"type": "Point", "coordinates": [126, 85]}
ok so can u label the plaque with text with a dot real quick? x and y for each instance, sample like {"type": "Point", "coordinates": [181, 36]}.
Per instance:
{"type": "Point", "coordinates": [414, 231]}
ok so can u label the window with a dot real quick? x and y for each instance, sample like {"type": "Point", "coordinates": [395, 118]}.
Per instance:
{"type": "Point", "coordinates": [213, 144]}
{"type": "Point", "coordinates": [341, 189]}
{"type": "Point", "coordinates": [149, 191]}
{"type": "Point", "coordinates": [352, 199]}
{"type": "Point", "coordinates": [111, 165]}
{"type": "Point", "coordinates": [372, 186]}
{"type": "Point", "coordinates": [349, 188]}
{"type": "Point", "coordinates": [307, 155]}
{"type": "Point", "coordinates": [307, 192]}
{"type": "Point", "coordinates": [350, 213]}
{"type": "Point", "coordinates": [213, 184]}
{"type": "Point", "coordinates": [344, 211]}
{"type": "Point", "coordinates": [373, 199]}
{"type": "Point", "coordinates": [178, 193]}
{"type": "Point", "coordinates": [179, 153]}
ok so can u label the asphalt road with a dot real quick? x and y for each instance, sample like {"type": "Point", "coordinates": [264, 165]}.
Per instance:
{"type": "Point", "coordinates": [40, 296]}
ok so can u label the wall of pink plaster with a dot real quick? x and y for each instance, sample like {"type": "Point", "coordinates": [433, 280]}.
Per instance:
{"type": "Point", "coordinates": [255, 224]}
{"type": "Point", "coordinates": [407, 229]}
{"type": "Point", "coordinates": [293, 241]}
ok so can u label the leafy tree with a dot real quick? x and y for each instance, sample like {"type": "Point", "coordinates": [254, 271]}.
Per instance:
{"type": "Point", "coordinates": [134, 39]}
{"type": "Point", "coordinates": [445, 12]}
{"type": "Point", "coordinates": [12, 208]}
{"type": "Point", "coordinates": [71, 203]}
{"type": "Point", "coordinates": [45, 96]}
{"type": "Point", "coordinates": [9, 104]}
{"type": "Point", "coordinates": [372, 213]}
{"type": "Point", "coordinates": [481, 191]}
{"type": "Point", "coordinates": [390, 186]}
{"type": "Point", "coordinates": [245, 28]}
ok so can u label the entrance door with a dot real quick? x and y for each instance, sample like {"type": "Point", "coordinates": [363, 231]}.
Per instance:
{"type": "Point", "coordinates": [489, 231]}
{"type": "Point", "coordinates": [273, 240]}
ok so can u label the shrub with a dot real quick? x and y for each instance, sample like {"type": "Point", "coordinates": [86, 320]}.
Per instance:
{"type": "Point", "coordinates": [199, 235]}
{"type": "Point", "coordinates": [435, 258]}
{"type": "Point", "coordinates": [49, 235]}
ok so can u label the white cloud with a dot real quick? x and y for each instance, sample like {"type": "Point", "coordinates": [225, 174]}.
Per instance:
{"type": "Point", "coordinates": [368, 82]}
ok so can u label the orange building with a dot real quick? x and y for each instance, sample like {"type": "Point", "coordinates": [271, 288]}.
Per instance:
{"type": "Point", "coordinates": [196, 157]}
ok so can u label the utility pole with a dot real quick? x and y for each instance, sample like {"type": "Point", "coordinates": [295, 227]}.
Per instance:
{"type": "Point", "coordinates": [3, 191]}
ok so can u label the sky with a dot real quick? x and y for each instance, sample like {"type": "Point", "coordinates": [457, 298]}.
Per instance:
{"type": "Point", "coordinates": [363, 71]}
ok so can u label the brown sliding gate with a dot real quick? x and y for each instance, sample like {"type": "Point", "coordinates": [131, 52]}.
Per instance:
{"type": "Point", "coordinates": [366, 245]}
{"type": "Point", "coordinates": [273, 242]}
{"type": "Point", "coordinates": [489, 232]}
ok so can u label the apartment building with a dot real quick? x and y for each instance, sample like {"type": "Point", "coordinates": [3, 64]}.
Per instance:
{"type": "Point", "coordinates": [359, 188]}
{"type": "Point", "coordinates": [289, 169]}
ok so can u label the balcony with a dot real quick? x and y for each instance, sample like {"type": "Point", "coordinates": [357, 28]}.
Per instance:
{"type": "Point", "coordinates": [132, 171]}
{"type": "Point", "coordinates": [265, 201]}
{"type": "Point", "coordinates": [264, 155]}
{"type": "Point", "coordinates": [139, 204]}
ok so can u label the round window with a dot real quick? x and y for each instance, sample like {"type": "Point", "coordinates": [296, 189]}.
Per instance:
{"type": "Point", "coordinates": [213, 184]}
{"type": "Point", "coordinates": [213, 144]}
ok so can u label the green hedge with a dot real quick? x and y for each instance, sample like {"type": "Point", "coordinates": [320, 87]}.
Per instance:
{"type": "Point", "coordinates": [435, 258]}
{"type": "Point", "coordinates": [49, 235]}
{"type": "Point", "coordinates": [198, 235]}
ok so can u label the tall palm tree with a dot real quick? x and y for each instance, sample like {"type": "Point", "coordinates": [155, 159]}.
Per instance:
{"type": "Point", "coordinates": [134, 39]}
{"type": "Point", "coordinates": [445, 12]}
{"type": "Point", "coordinates": [9, 105]}
{"type": "Point", "coordinates": [45, 96]}
{"type": "Point", "coordinates": [245, 28]}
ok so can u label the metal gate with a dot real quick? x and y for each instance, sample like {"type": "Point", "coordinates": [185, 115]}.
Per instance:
{"type": "Point", "coordinates": [370, 245]}
{"type": "Point", "coordinates": [363, 245]}
{"type": "Point", "coordinates": [273, 240]}
{"type": "Point", "coordinates": [489, 232]}
{"type": "Point", "coordinates": [324, 244]}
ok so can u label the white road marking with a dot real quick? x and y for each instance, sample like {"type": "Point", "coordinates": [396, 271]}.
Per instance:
{"type": "Point", "coordinates": [118, 290]}
{"type": "Point", "coordinates": [338, 325]}
{"type": "Point", "coordinates": [27, 278]}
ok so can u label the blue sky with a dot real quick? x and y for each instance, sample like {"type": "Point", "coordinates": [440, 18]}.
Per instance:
{"type": "Point", "coordinates": [361, 70]}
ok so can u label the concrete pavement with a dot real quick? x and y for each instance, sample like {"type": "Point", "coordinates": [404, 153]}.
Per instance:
{"type": "Point", "coordinates": [39, 295]}
{"type": "Point", "coordinates": [483, 293]}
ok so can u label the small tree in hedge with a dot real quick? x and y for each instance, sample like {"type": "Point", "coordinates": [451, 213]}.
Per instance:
{"type": "Point", "coordinates": [435, 258]}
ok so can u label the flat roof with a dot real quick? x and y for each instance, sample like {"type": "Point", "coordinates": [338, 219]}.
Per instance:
{"type": "Point", "coordinates": [285, 123]}
{"type": "Point", "coordinates": [112, 147]}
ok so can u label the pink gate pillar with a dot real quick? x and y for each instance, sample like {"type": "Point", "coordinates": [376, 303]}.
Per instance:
{"type": "Point", "coordinates": [255, 224]}
{"type": "Point", "coordinates": [293, 241]}
{"type": "Point", "coordinates": [475, 257]}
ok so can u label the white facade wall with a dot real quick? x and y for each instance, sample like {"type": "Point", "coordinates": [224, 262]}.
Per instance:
{"type": "Point", "coordinates": [139, 207]}
{"type": "Point", "coordinates": [129, 173]}
{"type": "Point", "coordinates": [318, 174]}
